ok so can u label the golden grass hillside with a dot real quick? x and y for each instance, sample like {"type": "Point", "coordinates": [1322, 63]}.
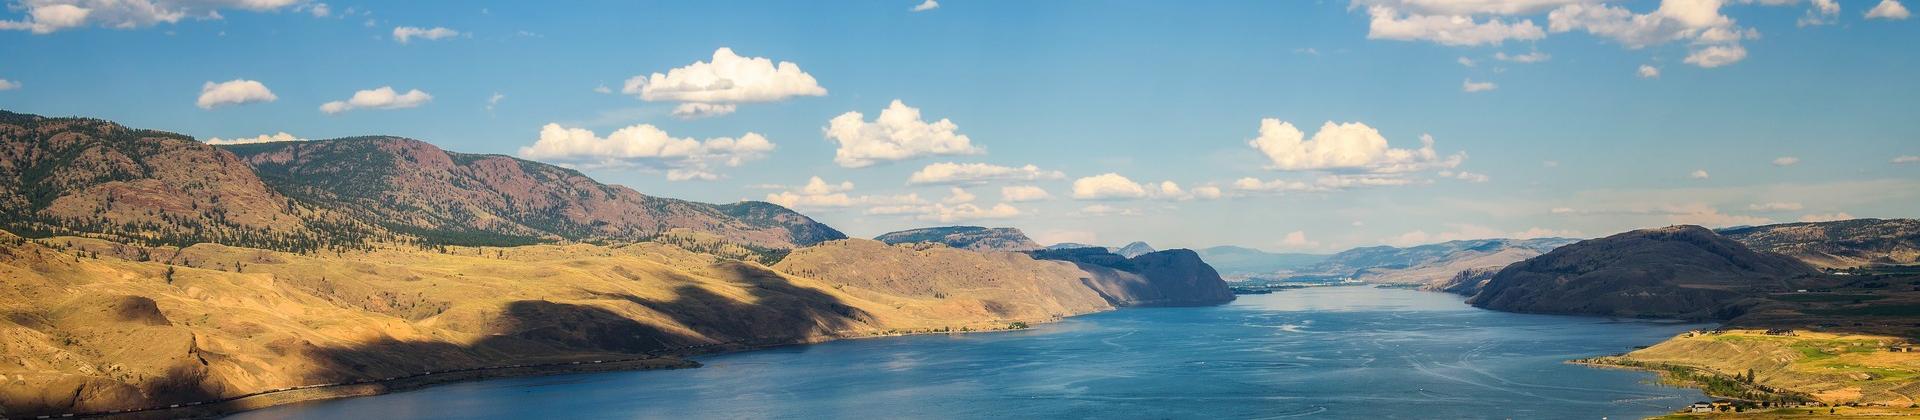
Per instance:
{"type": "Point", "coordinates": [91, 325]}
{"type": "Point", "coordinates": [1832, 368]}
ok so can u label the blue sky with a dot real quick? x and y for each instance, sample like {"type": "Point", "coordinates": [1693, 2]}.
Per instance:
{"type": "Point", "coordinates": [1761, 111]}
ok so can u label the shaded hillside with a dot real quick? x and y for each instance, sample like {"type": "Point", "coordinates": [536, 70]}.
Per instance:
{"type": "Point", "coordinates": [965, 237]}
{"type": "Point", "coordinates": [1164, 278]}
{"type": "Point", "coordinates": [1243, 260]}
{"type": "Point", "coordinates": [1672, 272]}
{"type": "Point", "coordinates": [1352, 261]}
{"type": "Point", "coordinates": [412, 187]}
{"type": "Point", "coordinates": [1134, 249]}
{"type": "Point", "coordinates": [1837, 244]}
{"type": "Point", "coordinates": [67, 176]}
{"type": "Point", "coordinates": [89, 327]}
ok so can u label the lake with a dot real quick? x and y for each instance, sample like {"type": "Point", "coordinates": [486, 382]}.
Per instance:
{"type": "Point", "coordinates": [1326, 352]}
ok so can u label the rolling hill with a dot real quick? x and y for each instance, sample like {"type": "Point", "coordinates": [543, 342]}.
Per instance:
{"type": "Point", "coordinates": [965, 237]}
{"type": "Point", "coordinates": [1673, 272]}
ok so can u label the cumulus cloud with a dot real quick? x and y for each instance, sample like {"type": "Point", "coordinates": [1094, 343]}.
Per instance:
{"type": "Point", "coordinates": [1298, 239]}
{"type": "Point", "coordinates": [263, 138]}
{"type": "Point", "coordinates": [975, 173]}
{"type": "Point", "coordinates": [648, 147]}
{"type": "Point", "coordinates": [1454, 30]}
{"type": "Point", "coordinates": [818, 193]}
{"type": "Point", "coordinates": [1826, 217]}
{"type": "Point", "coordinates": [925, 6]}
{"type": "Point", "coordinates": [1345, 147]}
{"type": "Point", "coordinates": [8, 85]}
{"type": "Point", "coordinates": [406, 34]}
{"type": "Point", "coordinates": [1715, 37]}
{"type": "Point", "coordinates": [383, 97]}
{"type": "Point", "coordinates": [1699, 174]}
{"type": "Point", "coordinates": [1023, 193]}
{"type": "Point", "coordinates": [1786, 161]}
{"type": "Point", "coordinates": [1466, 62]}
{"type": "Point", "coordinates": [1820, 12]}
{"type": "Point", "coordinates": [1649, 72]}
{"type": "Point", "coordinates": [957, 195]}
{"type": "Point", "coordinates": [718, 85]}
{"type": "Point", "coordinates": [1888, 9]}
{"type": "Point", "coordinates": [1470, 86]}
{"type": "Point", "coordinates": [233, 92]}
{"type": "Point", "coordinates": [1464, 176]}
{"type": "Point", "coordinates": [1906, 159]}
{"type": "Point", "coordinates": [48, 16]}
{"type": "Point", "coordinates": [899, 133]}
{"type": "Point", "coordinates": [1716, 56]}
{"type": "Point", "coordinates": [1774, 206]}
{"type": "Point", "coordinates": [1107, 186]}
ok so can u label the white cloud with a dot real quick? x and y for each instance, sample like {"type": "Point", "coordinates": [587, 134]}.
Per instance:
{"type": "Point", "coordinates": [1464, 176]}
{"type": "Point", "coordinates": [233, 92]}
{"type": "Point", "coordinates": [717, 86]}
{"type": "Point", "coordinates": [383, 97]}
{"type": "Point", "coordinates": [1716, 56]}
{"type": "Point", "coordinates": [1107, 186]}
{"type": "Point", "coordinates": [494, 100]}
{"type": "Point", "coordinates": [820, 194]}
{"type": "Point", "coordinates": [925, 6]}
{"type": "Point", "coordinates": [1820, 12]}
{"type": "Point", "coordinates": [318, 10]}
{"type": "Point", "coordinates": [1826, 217]}
{"type": "Point", "coordinates": [263, 138]}
{"type": "Point", "coordinates": [898, 133]}
{"type": "Point", "coordinates": [647, 147]}
{"type": "Point", "coordinates": [1786, 161]}
{"type": "Point", "coordinates": [957, 195]}
{"type": "Point", "coordinates": [697, 110]}
{"type": "Point", "coordinates": [1888, 9]}
{"type": "Point", "coordinates": [1699, 174]}
{"type": "Point", "coordinates": [1350, 146]}
{"type": "Point", "coordinates": [1471, 7]}
{"type": "Point", "coordinates": [1207, 192]}
{"type": "Point", "coordinates": [1453, 30]}
{"type": "Point", "coordinates": [1324, 183]}
{"type": "Point", "coordinates": [1528, 58]}
{"type": "Point", "coordinates": [967, 211]}
{"type": "Point", "coordinates": [48, 16]}
{"type": "Point", "coordinates": [975, 173]}
{"type": "Point", "coordinates": [1906, 159]}
{"type": "Point", "coordinates": [8, 85]}
{"type": "Point", "coordinates": [1775, 206]}
{"type": "Point", "coordinates": [602, 89]}
{"type": "Point", "coordinates": [1470, 86]}
{"type": "Point", "coordinates": [1298, 239]}
{"type": "Point", "coordinates": [1714, 37]}
{"type": "Point", "coordinates": [1023, 193]}
{"type": "Point", "coordinates": [406, 34]}
{"type": "Point", "coordinates": [1649, 72]}
{"type": "Point", "coordinates": [1468, 62]}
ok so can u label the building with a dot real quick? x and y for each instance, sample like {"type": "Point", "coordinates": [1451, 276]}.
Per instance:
{"type": "Point", "coordinates": [1700, 407]}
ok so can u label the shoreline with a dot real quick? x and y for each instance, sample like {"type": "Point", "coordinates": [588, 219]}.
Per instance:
{"type": "Point", "coordinates": [660, 360]}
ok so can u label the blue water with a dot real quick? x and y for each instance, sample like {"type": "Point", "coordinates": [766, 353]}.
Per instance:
{"type": "Point", "coordinates": [1331, 352]}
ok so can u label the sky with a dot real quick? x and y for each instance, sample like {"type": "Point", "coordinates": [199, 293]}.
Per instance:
{"type": "Point", "coordinates": [1296, 126]}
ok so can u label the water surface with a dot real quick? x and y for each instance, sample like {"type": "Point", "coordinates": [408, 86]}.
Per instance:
{"type": "Point", "coordinates": [1329, 352]}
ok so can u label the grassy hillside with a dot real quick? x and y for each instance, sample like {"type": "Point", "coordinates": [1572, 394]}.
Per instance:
{"type": "Point", "coordinates": [95, 325]}
{"type": "Point", "coordinates": [1833, 368]}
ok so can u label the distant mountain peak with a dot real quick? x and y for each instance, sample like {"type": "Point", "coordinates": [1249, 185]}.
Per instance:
{"type": "Point", "coordinates": [1135, 249]}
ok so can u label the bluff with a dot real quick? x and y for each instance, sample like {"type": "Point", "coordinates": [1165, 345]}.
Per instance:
{"type": "Point", "coordinates": [1175, 277]}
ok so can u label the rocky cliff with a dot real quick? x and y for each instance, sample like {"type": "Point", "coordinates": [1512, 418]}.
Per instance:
{"type": "Point", "coordinates": [1838, 244]}
{"type": "Point", "coordinates": [1164, 278]}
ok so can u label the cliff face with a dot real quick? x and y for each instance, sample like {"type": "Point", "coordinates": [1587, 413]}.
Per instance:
{"type": "Point", "coordinates": [1164, 278]}
{"type": "Point", "coordinates": [1673, 272]}
{"type": "Point", "coordinates": [965, 237]}
{"type": "Point", "coordinates": [1838, 244]}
